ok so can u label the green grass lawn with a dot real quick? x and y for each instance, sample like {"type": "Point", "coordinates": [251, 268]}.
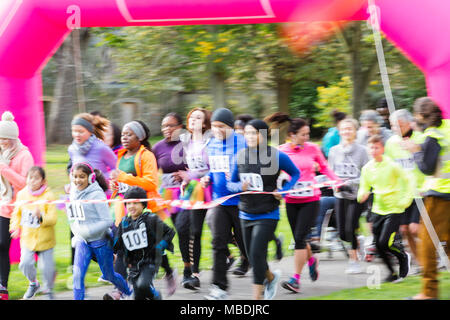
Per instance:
{"type": "Point", "coordinates": [390, 291]}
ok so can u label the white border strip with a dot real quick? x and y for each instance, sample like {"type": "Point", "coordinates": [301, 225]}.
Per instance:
{"type": "Point", "coordinates": [265, 4]}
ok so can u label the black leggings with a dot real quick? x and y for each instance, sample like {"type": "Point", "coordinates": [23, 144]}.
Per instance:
{"type": "Point", "coordinates": [301, 217]}
{"type": "Point", "coordinates": [256, 235]}
{"type": "Point", "coordinates": [5, 243]}
{"type": "Point", "coordinates": [197, 217]}
{"type": "Point", "coordinates": [143, 282]}
{"type": "Point", "coordinates": [347, 216]}
{"type": "Point", "coordinates": [384, 229]}
{"type": "Point", "coordinates": [182, 225]}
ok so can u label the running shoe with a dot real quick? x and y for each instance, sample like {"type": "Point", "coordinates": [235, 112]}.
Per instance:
{"type": "Point", "coordinates": [291, 285]}
{"type": "Point", "coordinates": [230, 262]}
{"type": "Point", "coordinates": [393, 277]}
{"type": "Point", "coordinates": [157, 295]}
{"type": "Point", "coordinates": [189, 282]}
{"type": "Point", "coordinates": [279, 243]}
{"type": "Point", "coordinates": [171, 282]}
{"type": "Point", "coordinates": [270, 288]}
{"type": "Point", "coordinates": [113, 295]}
{"type": "Point", "coordinates": [242, 269]}
{"type": "Point", "coordinates": [216, 293]}
{"type": "Point", "coordinates": [33, 288]}
{"type": "Point", "coordinates": [405, 265]}
{"type": "Point", "coordinates": [3, 293]}
{"type": "Point", "coordinates": [313, 272]}
{"type": "Point", "coordinates": [101, 279]}
{"type": "Point", "coordinates": [353, 268]}
{"type": "Point", "coordinates": [48, 295]}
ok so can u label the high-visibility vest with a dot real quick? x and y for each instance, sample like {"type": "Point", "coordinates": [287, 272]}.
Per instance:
{"type": "Point", "coordinates": [440, 180]}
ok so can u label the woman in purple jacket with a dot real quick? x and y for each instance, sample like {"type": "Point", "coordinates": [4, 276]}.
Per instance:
{"type": "Point", "coordinates": [88, 146]}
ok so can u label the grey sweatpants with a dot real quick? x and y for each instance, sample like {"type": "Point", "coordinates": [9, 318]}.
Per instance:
{"type": "Point", "coordinates": [46, 264]}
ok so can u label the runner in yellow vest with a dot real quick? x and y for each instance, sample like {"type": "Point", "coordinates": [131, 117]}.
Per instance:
{"type": "Point", "coordinates": [433, 158]}
{"type": "Point", "coordinates": [401, 121]}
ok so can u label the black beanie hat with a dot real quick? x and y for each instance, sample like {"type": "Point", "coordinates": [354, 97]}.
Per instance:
{"type": "Point", "coordinates": [258, 124]}
{"type": "Point", "coordinates": [223, 115]}
{"type": "Point", "coordinates": [136, 193]}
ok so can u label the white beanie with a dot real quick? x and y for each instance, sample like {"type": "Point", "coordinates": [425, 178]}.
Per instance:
{"type": "Point", "coordinates": [8, 128]}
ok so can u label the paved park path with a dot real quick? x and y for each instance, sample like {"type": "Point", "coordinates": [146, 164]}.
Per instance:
{"type": "Point", "coordinates": [332, 278]}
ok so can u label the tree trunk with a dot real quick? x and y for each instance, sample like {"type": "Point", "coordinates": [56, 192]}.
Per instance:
{"type": "Point", "coordinates": [217, 81]}
{"type": "Point", "coordinates": [360, 74]}
{"type": "Point", "coordinates": [64, 96]}
{"type": "Point", "coordinates": [283, 93]}
{"type": "Point", "coordinates": [68, 92]}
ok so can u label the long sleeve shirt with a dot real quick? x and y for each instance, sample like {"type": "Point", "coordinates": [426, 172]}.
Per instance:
{"type": "Point", "coordinates": [306, 158]}
{"type": "Point", "coordinates": [392, 191]}
{"type": "Point", "coordinates": [222, 154]}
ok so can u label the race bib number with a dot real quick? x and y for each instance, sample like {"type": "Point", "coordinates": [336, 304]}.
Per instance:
{"type": "Point", "coordinates": [123, 188]}
{"type": "Point", "coordinates": [75, 211]}
{"type": "Point", "coordinates": [29, 219]}
{"type": "Point", "coordinates": [255, 181]}
{"type": "Point", "coordinates": [306, 193]}
{"type": "Point", "coordinates": [407, 164]}
{"type": "Point", "coordinates": [168, 181]}
{"type": "Point", "coordinates": [346, 170]}
{"type": "Point", "coordinates": [135, 239]}
{"type": "Point", "coordinates": [196, 162]}
{"type": "Point", "coordinates": [219, 163]}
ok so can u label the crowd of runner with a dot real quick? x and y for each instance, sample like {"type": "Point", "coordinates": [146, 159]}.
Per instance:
{"type": "Point", "coordinates": [380, 167]}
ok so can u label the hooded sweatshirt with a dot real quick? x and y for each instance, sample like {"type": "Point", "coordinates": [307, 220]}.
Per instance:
{"type": "Point", "coordinates": [92, 221]}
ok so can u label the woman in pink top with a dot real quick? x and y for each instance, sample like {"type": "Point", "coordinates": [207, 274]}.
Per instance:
{"type": "Point", "coordinates": [302, 207]}
{"type": "Point", "coordinates": [15, 161]}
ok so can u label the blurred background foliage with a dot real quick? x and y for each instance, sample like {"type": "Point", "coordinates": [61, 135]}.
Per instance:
{"type": "Point", "coordinates": [305, 69]}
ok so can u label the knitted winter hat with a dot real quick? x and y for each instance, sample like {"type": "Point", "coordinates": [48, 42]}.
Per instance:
{"type": "Point", "coordinates": [8, 128]}
{"type": "Point", "coordinates": [223, 115]}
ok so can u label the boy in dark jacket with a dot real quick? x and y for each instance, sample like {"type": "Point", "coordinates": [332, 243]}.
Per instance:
{"type": "Point", "coordinates": [143, 237]}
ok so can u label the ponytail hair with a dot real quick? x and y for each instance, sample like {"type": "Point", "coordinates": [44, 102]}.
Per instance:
{"type": "Point", "coordinates": [99, 124]}
{"type": "Point", "coordinates": [295, 124]}
{"type": "Point", "coordinates": [100, 178]}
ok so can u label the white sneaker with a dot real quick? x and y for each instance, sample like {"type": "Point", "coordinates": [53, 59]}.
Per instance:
{"type": "Point", "coordinates": [353, 268]}
{"type": "Point", "coordinates": [216, 294]}
{"type": "Point", "coordinates": [270, 288]}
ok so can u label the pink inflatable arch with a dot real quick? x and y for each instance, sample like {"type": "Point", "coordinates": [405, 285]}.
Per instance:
{"type": "Point", "coordinates": [31, 31]}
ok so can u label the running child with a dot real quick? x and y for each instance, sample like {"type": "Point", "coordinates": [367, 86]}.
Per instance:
{"type": "Point", "coordinates": [392, 194]}
{"type": "Point", "coordinates": [143, 237]}
{"type": "Point", "coordinates": [35, 224]}
{"type": "Point", "coordinates": [91, 224]}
